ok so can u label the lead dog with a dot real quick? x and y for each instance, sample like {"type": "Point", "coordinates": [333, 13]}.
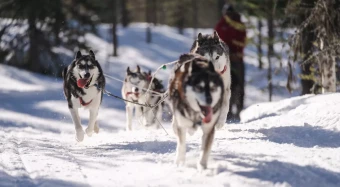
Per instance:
{"type": "Point", "coordinates": [83, 85]}
{"type": "Point", "coordinates": [196, 95]}
{"type": "Point", "coordinates": [216, 51]}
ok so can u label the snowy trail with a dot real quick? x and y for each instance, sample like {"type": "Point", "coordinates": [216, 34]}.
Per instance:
{"type": "Point", "coordinates": [292, 142]}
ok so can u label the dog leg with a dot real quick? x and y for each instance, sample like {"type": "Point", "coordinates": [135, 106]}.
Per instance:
{"type": "Point", "coordinates": [96, 127]}
{"type": "Point", "coordinates": [140, 115]}
{"type": "Point", "coordinates": [129, 117]}
{"type": "Point", "coordinates": [181, 147]}
{"type": "Point", "coordinates": [77, 124]}
{"type": "Point", "coordinates": [224, 111]}
{"type": "Point", "coordinates": [158, 117]}
{"type": "Point", "coordinates": [92, 121]}
{"type": "Point", "coordinates": [207, 140]}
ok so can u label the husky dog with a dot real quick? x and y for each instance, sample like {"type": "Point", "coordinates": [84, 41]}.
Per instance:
{"type": "Point", "coordinates": [134, 89]}
{"type": "Point", "coordinates": [216, 51]}
{"type": "Point", "coordinates": [196, 95]}
{"type": "Point", "coordinates": [151, 117]}
{"type": "Point", "coordinates": [83, 87]}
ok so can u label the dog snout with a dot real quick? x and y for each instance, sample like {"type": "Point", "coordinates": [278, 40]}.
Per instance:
{"type": "Point", "coordinates": [87, 75]}
{"type": "Point", "coordinates": [209, 99]}
{"type": "Point", "coordinates": [135, 89]}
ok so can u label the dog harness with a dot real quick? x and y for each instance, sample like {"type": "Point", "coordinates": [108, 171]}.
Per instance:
{"type": "Point", "coordinates": [224, 69]}
{"type": "Point", "coordinates": [83, 103]}
{"type": "Point", "coordinates": [128, 93]}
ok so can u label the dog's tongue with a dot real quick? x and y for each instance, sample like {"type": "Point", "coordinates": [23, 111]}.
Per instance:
{"type": "Point", "coordinates": [82, 82]}
{"type": "Point", "coordinates": [207, 112]}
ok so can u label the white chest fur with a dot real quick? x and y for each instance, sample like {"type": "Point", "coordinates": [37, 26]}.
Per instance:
{"type": "Point", "coordinates": [92, 95]}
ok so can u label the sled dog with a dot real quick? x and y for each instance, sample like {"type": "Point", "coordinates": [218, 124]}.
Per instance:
{"type": "Point", "coordinates": [216, 51]}
{"type": "Point", "coordinates": [83, 88]}
{"type": "Point", "coordinates": [196, 93]}
{"type": "Point", "coordinates": [134, 89]}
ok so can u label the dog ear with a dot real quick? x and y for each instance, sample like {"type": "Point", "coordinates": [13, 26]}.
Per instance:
{"type": "Point", "coordinates": [200, 36]}
{"type": "Point", "coordinates": [196, 66]}
{"type": "Point", "coordinates": [78, 55]}
{"type": "Point", "coordinates": [216, 35]}
{"type": "Point", "coordinates": [91, 53]}
{"type": "Point", "coordinates": [138, 69]}
{"type": "Point", "coordinates": [128, 70]}
{"type": "Point", "coordinates": [185, 57]}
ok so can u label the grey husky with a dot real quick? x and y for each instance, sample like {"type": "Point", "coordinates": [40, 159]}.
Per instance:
{"type": "Point", "coordinates": [216, 51]}
{"type": "Point", "coordinates": [196, 96]}
{"type": "Point", "coordinates": [134, 89]}
{"type": "Point", "coordinates": [84, 82]}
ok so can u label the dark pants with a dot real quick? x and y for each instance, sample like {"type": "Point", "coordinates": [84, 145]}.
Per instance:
{"type": "Point", "coordinates": [237, 90]}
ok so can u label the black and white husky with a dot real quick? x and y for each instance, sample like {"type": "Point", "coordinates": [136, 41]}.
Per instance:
{"type": "Point", "coordinates": [83, 85]}
{"type": "Point", "coordinates": [196, 95]}
{"type": "Point", "coordinates": [134, 89]}
{"type": "Point", "coordinates": [216, 51]}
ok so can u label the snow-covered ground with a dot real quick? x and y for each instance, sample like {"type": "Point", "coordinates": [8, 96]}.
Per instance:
{"type": "Point", "coordinates": [292, 142]}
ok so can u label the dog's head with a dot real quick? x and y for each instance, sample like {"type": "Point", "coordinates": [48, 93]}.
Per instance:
{"type": "Point", "coordinates": [85, 69]}
{"type": "Point", "coordinates": [213, 49]}
{"type": "Point", "coordinates": [203, 87]}
{"type": "Point", "coordinates": [136, 82]}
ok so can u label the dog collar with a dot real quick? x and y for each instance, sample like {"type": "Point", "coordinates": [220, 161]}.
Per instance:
{"type": "Point", "coordinates": [129, 93]}
{"type": "Point", "coordinates": [224, 69]}
{"type": "Point", "coordinates": [83, 103]}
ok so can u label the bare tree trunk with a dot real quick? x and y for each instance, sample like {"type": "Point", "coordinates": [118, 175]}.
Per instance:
{"type": "Point", "coordinates": [33, 57]}
{"type": "Point", "coordinates": [194, 17]}
{"type": "Point", "coordinates": [148, 20]}
{"type": "Point", "coordinates": [270, 20]}
{"type": "Point", "coordinates": [259, 45]}
{"type": "Point", "coordinates": [308, 38]}
{"type": "Point", "coordinates": [328, 74]}
{"type": "Point", "coordinates": [154, 11]}
{"type": "Point", "coordinates": [114, 27]}
{"type": "Point", "coordinates": [180, 16]}
{"type": "Point", "coordinates": [125, 13]}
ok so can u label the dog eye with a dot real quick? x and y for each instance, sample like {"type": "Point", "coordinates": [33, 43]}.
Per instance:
{"type": "Point", "coordinates": [213, 88]}
{"type": "Point", "coordinates": [80, 66]}
{"type": "Point", "coordinates": [217, 57]}
{"type": "Point", "coordinates": [91, 66]}
{"type": "Point", "coordinates": [199, 88]}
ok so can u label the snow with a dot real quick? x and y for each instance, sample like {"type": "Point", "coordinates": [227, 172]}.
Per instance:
{"type": "Point", "coordinates": [289, 142]}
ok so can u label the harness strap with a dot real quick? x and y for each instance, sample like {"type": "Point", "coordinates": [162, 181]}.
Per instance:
{"type": "Point", "coordinates": [83, 103]}
{"type": "Point", "coordinates": [128, 93]}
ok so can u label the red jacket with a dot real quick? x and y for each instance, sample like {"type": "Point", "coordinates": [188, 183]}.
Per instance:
{"type": "Point", "coordinates": [233, 33]}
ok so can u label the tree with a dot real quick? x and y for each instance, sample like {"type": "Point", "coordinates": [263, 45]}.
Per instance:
{"type": "Point", "coordinates": [114, 28]}
{"type": "Point", "coordinates": [44, 28]}
{"type": "Point", "coordinates": [324, 18]}
{"type": "Point", "coordinates": [271, 53]}
{"type": "Point", "coordinates": [148, 21]}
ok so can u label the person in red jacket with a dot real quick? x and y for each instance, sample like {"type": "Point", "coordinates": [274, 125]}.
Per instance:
{"type": "Point", "coordinates": [233, 32]}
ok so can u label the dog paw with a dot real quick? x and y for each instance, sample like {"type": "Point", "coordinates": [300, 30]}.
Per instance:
{"type": "Point", "coordinates": [219, 126]}
{"type": "Point", "coordinates": [180, 162]}
{"type": "Point", "coordinates": [96, 128]}
{"type": "Point", "coordinates": [80, 135]}
{"type": "Point", "coordinates": [201, 166]}
{"type": "Point", "coordinates": [89, 132]}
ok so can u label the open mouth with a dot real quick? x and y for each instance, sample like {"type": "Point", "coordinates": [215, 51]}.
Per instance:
{"type": "Point", "coordinates": [206, 113]}
{"type": "Point", "coordinates": [84, 83]}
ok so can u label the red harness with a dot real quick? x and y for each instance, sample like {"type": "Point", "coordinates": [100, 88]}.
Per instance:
{"type": "Point", "coordinates": [224, 69]}
{"type": "Point", "coordinates": [83, 103]}
{"type": "Point", "coordinates": [128, 93]}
